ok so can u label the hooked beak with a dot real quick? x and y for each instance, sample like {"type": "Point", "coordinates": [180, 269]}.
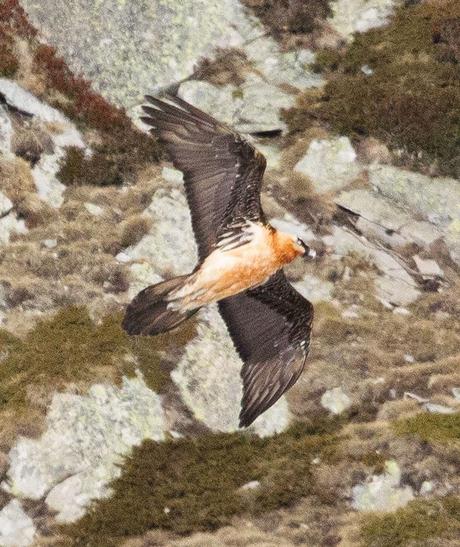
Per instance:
{"type": "Point", "coordinates": [310, 254]}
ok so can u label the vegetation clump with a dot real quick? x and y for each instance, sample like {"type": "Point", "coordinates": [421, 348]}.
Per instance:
{"type": "Point", "coordinates": [414, 524]}
{"type": "Point", "coordinates": [408, 81]}
{"type": "Point", "coordinates": [114, 159]}
{"type": "Point", "coordinates": [195, 484]}
{"type": "Point", "coordinates": [13, 23]}
{"type": "Point", "coordinates": [229, 66]}
{"type": "Point", "coordinates": [8, 61]}
{"type": "Point", "coordinates": [289, 17]}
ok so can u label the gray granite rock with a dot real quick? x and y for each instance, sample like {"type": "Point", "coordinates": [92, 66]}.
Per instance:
{"type": "Point", "coordinates": [16, 527]}
{"type": "Point", "coordinates": [208, 377]}
{"type": "Point", "coordinates": [394, 285]}
{"type": "Point", "coordinates": [6, 132]}
{"type": "Point", "coordinates": [291, 225]}
{"type": "Point", "coordinates": [351, 16]}
{"type": "Point", "coordinates": [382, 492]}
{"type": "Point", "coordinates": [272, 154]}
{"type": "Point", "coordinates": [25, 101]}
{"type": "Point", "coordinates": [278, 67]}
{"type": "Point", "coordinates": [252, 107]}
{"type": "Point", "coordinates": [85, 439]}
{"type": "Point", "coordinates": [428, 267]}
{"type": "Point", "coordinates": [436, 199]}
{"type": "Point", "coordinates": [10, 224]}
{"type": "Point", "coordinates": [63, 135]}
{"type": "Point", "coordinates": [314, 288]}
{"type": "Point", "coordinates": [330, 164]}
{"type": "Point", "coordinates": [127, 49]}
{"type": "Point", "coordinates": [383, 219]}
{"type": "Point", "coordinates": [438, 409]}
{"type": "Point", "coordinates": [169, 247]}
{"type": "Point", "coordinates": [5, 204]}
{"type": "Point", "coordinates": [335, 400]}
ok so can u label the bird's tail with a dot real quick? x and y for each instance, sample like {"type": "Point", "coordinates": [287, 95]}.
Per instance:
{"type": "Point", "coordinates": [152, 312]}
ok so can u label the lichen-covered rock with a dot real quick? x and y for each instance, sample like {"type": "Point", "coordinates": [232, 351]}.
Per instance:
{"type": "Point", "coordinates": [169, 247]}
{"type": "Point", "coordinates": [335, 400]}
{"type": "Point", "coordinates": [5, 205]}
{"type": "Point", "coordinates": [141, 275]}
{"type": "Point", "coordinates": [288, 67]}
{"type": "Point", "coordinates": [351, 16]}
{"type": "Point", "coordinates": [253, 107]}
{"type": "Point", "coordinates": [6, 132]}
{"type": "Point", "coordinates": [394, 285]}
{"type": "Point", "coordinates": [221, 102]}
{"type": "Point", "coordinates": [63, 134]}
{"type": "Point", "coordinates": [314, 288]}
{"type": "Point", "coordinates": [208, 377]}
{"type": "Point", "coordinates": [86, 436]}
{"type": "Point", "coordinates": [382, 492]}
{"type": "Point", "coordinates": [11, 225]}
{"type": "Point", "coordinates": [16, 527]}
{"type": "Point", "coordinates": [382, 218]}
{"type": "Point", "coordinates": [436, 199]}
{"type": "Point", "coordinates": [329, 163]}
{"type": "Point", "coordinates": [160, 41]}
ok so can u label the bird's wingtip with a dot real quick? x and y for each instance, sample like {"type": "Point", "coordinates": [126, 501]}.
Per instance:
{"type": "Point", "coordinates": [245, 420]}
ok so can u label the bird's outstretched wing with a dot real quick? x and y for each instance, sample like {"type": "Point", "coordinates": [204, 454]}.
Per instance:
{"type": "Point", "coordinates": [222, 171]}
{"type": "Point", "coordinates": [270, 326]}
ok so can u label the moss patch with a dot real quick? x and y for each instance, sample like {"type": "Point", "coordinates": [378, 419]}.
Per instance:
{"type": "Point", "coordinates": [414, 524]}
{"type": "Point", "coordinates": [439, 428]}
{"type": "Point", "coordinates": [193, 484]}
{"type": "Point", "coordinates": [410, 99]}
{"type": "Point", "coordinates": [69, 349]}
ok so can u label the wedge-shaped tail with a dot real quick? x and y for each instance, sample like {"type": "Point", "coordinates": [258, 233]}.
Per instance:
{"type": "Point", "coordinates": [150, 311]}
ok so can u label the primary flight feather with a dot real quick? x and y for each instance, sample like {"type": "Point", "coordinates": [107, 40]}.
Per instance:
{"type": "Point", "coordinates": [240, 256]}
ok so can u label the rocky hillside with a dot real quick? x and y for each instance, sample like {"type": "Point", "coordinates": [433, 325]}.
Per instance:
{"type": "Point", "coordinates": [110, 440]}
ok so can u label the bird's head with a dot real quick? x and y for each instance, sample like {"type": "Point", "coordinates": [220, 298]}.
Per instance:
{"type": "Point", "coordinates": [307, 252]}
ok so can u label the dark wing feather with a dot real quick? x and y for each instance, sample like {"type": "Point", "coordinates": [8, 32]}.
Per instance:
{"type": "Point", "coordinates": [222, 171]}
{"type": "Point", "coordinates": [270, 326]}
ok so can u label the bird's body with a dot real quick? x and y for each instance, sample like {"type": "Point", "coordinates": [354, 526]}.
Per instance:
{"type": "Point", "coordinates": [241, 257]}
{"type": "Point", "coordinates": [234, 266]}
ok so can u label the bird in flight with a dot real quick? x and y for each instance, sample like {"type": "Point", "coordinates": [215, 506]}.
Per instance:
{"type": "Point", "coordinates": [241, 256]}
